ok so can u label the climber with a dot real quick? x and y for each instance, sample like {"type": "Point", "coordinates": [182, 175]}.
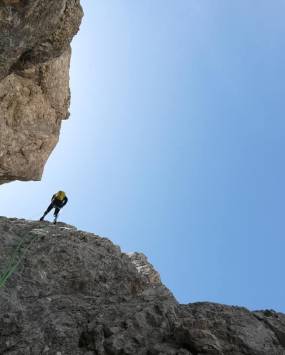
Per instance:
{"type": "Point", "coordinates": [58, 200]}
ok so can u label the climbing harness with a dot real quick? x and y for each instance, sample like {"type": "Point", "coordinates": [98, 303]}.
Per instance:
{"type": "Point", "coordinates": [16, 258]}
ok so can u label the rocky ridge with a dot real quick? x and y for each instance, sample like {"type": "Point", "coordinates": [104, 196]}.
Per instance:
{"type": "Point", "coordinates": [35, 38]}
{"type": "Point", "coordinates": [73, 292]}
{"type": "Point", "coordinates": [77, 293]}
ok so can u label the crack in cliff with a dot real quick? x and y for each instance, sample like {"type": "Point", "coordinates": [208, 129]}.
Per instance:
{"type": "Point", "coordinates": [279, 334]}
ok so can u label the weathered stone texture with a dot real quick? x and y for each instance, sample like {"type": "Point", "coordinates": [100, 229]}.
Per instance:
{"type": "Point", "coordinates": [31, 109]}
{"type": "Point", "coordinates": [76, 293]}
{"type": "Point", "coordinates": [34, 31]}
{"type": "Point", "coordinates": [145, 268]}
{"type": "Point", "coordinates": [35, 40]}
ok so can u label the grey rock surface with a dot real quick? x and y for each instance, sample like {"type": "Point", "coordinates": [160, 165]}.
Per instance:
{"type": "Point", "coordinates": [35, 38]}
{"type": "Point", "coordinates": [76, 293]}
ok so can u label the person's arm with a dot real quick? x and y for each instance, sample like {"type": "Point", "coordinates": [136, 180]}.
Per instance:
{"type": "Point", "coordinates": [53, 197]}
{"type": "Point", "coordinates": [64, 202]}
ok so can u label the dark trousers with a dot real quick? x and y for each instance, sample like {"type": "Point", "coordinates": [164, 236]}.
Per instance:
{"type": "Point", "coordinates": [50, 207]}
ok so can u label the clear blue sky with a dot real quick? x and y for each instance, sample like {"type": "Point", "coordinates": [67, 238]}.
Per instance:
{"type": "Point", "coordinates": [175, 145]}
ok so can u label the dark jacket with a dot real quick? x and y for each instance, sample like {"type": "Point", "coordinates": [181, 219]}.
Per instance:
{"type": "Point", "coordinates": [59, 203]}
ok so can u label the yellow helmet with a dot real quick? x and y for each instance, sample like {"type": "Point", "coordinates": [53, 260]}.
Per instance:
{"type": "Point", "coordinates": [60, 195]}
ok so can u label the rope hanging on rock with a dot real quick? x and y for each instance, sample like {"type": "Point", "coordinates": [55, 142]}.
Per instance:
{"type": "Point", "coordinates": [15, 259]}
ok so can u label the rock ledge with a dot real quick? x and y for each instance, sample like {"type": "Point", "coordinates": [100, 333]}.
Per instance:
{"type": "Point", "coordinates": [76, 293]}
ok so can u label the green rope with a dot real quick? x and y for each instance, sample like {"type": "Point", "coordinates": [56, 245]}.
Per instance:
{"type": "Point", "coordinates": [15, 260]}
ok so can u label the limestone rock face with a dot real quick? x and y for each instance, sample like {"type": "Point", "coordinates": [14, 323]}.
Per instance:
{"type": "Point", "coordinates": [75, 293]}
{"type": "Point", "coordinates": [145, 268]}
{"type": "Point", "coordinates": [35, 53]}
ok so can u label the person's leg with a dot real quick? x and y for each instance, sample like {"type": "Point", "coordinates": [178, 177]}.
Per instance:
{"type": "Point", "coordinates": [56, 211]}
{"type": "Point", "coordinates": [50, 207]}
